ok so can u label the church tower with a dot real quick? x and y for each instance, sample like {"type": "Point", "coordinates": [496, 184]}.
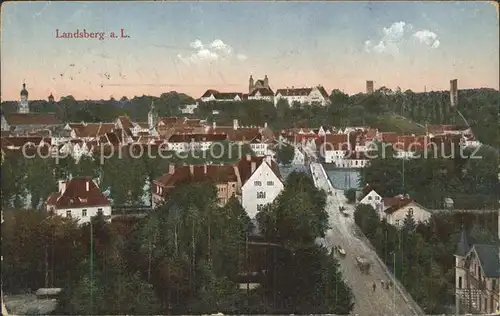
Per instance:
{"type": "Point", "coordinates": [23, 106]}
{"type": "Point", "coordinates": [250, 84]}
{"type": "Point", "coordinates": [266, 82]}
{"type": "Point", "coordinates": [51, 98]}
{"type": "Point", "coordinates": [152, 116]}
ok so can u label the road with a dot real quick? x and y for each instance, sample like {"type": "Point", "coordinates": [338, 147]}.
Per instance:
{"type": "Point", "coordinates": [342, 232]}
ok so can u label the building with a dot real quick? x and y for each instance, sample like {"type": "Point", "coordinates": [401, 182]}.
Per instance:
{"type": "Point", "coordinates": [78, 198]}
{"type": "Point", "coordinates": [254, 181]}
{"type": "Point", "coordinates": [453, 92]}
{"type": "Point", "coordinates": [24, 122]}
{"type": "Point", "coordinates": [477, 276]}
{"type": "Point", "coordinates": [353, 159]}
{"type": "Point", "coordinates": [315, 95]}
{"type": "Point", "coordinates": [224, 177]}
{"type": "Point", "coordinates": [369, 86]}
{"type": "Point", "coordinates": [259, 84]}
{"type": "Point", "coordinates": [193, 142]}
{"type": "Point", "coordinates": [262, 183]}
{"type": "Point", "coordinates": [263, 94]}
{"type": "Point", "coordinates": [333, 147]}
{"type": "Point", "coordinates": [374, 200]}
{"type": "Point", "coordinates": [216, 96]}
{"type": "Point", "coordinates": [397, 208]}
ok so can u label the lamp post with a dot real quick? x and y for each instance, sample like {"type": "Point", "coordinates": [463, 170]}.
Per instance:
{"type": "Point", "coordinates": [91, 266]}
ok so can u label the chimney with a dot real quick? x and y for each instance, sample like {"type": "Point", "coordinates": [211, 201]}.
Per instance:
{"type": "Point", "coordinates": [205, 168]}
{"type": "Point", "coordinates": [249, 157]}
{"type": "Point", "coordinates": [62, 186]}
{"type": "Point", "coordinates": [214, 125]}
{"type": "Point", "coordinates": [87, 185]}
{"type": "Point", "coordinates": [191, 169]}
{"type": "Point", "coordinates": [253, 166]}
{"type": "Point", "coordinates": [235, 124]}
{"type": "Point", "coordinates": [171, 168]}
{"type": "Point", "coordinates": [265, 125]}
{"type": "Point", "coordinates": [268, 160]}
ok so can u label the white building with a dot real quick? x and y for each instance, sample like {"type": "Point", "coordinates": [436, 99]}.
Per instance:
{"type": "Point", "coordinates": [298, 157]}
{"type": "Point", "coordinates": [354, 160]}
{"type": "Point", "coordinates": [216, 96]}
{"type": "Point", "coordinates": [374, 200]}
{"type": "Point", "coordinates": [397, 208]}
{"type": "Point", "coordinates": [317, 95]}
{"type": "Point", "coordinates": [193, 142]}
{"type": "Point", "coordinates": [264, 94]}
{"type": "Point", "coordinates": [334, 147]}
{"type": "Point", "coordinates": [189, 108]}
{"type": "Point", "coordinates": [78, 198]}
{"type": "Point", "coordinates": [261, 146]}
{"type": "Point", "coordinates": [262, 187]}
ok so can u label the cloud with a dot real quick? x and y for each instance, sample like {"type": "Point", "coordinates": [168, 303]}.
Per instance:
{"type": "Point", "coordinates": [394, 36]}
{"type": "Point", "coordinates": [212, 52]}
{"type": "Point", "coordinates": [391, 39]}
{"type": "Point", "coordinates": [427, 37]}
{"type": "Point", "coordinates": [242, 57]}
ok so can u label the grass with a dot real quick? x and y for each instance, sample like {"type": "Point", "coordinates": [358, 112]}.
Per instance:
{"type": "Point", "coordinates": [393, 123]}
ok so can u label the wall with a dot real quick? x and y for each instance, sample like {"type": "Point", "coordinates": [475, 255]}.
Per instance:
{"type": "Point", "coordinates": [76, 213]}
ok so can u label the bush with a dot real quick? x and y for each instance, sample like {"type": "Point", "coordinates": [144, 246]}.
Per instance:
{"type": "Point", "coordinates": [350, 194]}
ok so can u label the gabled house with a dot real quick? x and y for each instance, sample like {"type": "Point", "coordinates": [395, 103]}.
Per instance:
{"type": "Point", "coordinates": [262, 183]}
{"type": "Point", "coordinates": [265, 94]}
{"type": "Point", "coordinates": [397, 208]}
{"type": "Point", "coordinates": [193, 142]}
{"type": "Point", "coordinates": [477, 276]}
{"type": "Point", "coordinates": [262, 146]}
{"type": "Point", "coordinates": [79, 198]}
{"type": "Point", "coordinates": [374, 200]}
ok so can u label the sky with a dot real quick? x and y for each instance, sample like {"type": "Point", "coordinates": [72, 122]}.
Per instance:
{"type": "Point", "coordinates": [190, 47]}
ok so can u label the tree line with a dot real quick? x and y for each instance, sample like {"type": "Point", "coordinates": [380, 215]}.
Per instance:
{"type": "Point", "coordinates": [189, 256]}
{"type": "Point", "coordinates": [420, 255]}
{"type": "Point", "coordinates": [384, 109]}
{"type": "Point", "coordinates": [471, 180]}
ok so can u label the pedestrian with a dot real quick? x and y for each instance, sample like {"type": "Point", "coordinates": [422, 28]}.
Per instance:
{"type": "Point", "coordinates": [382, 283]}
{"type": "Point", "coordinates": [374, 286]}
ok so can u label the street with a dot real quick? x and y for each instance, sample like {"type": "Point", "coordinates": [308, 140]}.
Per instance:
{"type": "Point", "coordinates": [342, 232]}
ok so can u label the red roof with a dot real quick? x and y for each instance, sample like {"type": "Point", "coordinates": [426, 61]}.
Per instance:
{"type": "Point", "coordinates": [187, 138]}
{"type": "Point", "coordinates": [79, 193]}
{"type": "Point", "coordinates": [42, 119]}
{"type": "Point", "coordinates": [395, 203]}
{"type": "Point", "coordinates": [389, 137]}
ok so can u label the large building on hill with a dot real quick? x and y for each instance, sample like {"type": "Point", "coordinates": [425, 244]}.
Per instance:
{"type": "Point", "coordinates": [23, 121]}
{"type": "Point", "coordinates": [315, 95]}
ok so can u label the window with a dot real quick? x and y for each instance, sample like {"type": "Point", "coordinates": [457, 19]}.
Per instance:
{"type": "Point", "coordinates": [257, 183]}
{"type": "Point", "coordinates": [410, 211]}
{"type": "Point", "coordinates": [261, 195]}
{"type": "Point", "coordinates": [493, 284]}
{"type": "Point", "coordinates": [99, 211]}
{"type": "Point", "coordinates": [270, 183]}
{"type": "Point", "coordinates": [459, 282]}
{"type": "Point", "coordinates": [260, 207]}
{"type": "Point", "coordinates": [84, 213]}
{"type": "Point", "coordinates": [369, 198]}
{"type": "Point", "coordinates": [377, 198]}
{"type": "Point", "coordinates": [68, 213]}
{"type": "Point", "coordinates": [397, 222]}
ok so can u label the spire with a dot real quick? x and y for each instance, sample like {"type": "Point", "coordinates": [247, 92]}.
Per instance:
{"type": "Point", "coordinates": [24, 92]}
{"type": "Point", "coordinates": [463, 244]}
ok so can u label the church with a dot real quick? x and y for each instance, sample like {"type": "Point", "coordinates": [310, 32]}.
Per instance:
{"type": "Point", "coordinates": [23, 121]}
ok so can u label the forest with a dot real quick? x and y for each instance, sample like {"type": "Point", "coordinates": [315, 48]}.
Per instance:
{"type": "Point", "coordinates": [189, 256]}
{"type": "Point", "coordinates": [421, 255]}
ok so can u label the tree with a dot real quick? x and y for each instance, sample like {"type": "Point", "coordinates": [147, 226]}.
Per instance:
{"type": "Point", "coordinates": [350, 195]}
{"type": "Point", "coordinates": [285, 154]}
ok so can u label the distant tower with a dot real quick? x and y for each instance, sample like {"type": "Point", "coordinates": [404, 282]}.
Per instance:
{"type": "Point", "coordinates": [250, 84]}
{"type": "Point", "coordinates": [51, 98]}
{"type": "Point", "coordinates": [453, 92]}
{"type": "Point", "coordinates": [23, 106]}
{"type": "Point", "coordinates": [266, 82]}
{"type": "Point", "coordinates": [369, 86]}
{"type": "Point", "coordinates": [152, 116]}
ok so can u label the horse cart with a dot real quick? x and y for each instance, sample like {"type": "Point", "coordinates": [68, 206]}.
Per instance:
{"type": "Point", "coordinates": [339, 251]}
{"type": "Point", "coordinates": [363, 264]}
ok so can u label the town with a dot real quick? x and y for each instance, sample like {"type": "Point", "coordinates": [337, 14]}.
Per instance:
{"type": "Point", "coordinates": [250, 158]}
{"type": "Point", "coordinates": [127, 172]}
